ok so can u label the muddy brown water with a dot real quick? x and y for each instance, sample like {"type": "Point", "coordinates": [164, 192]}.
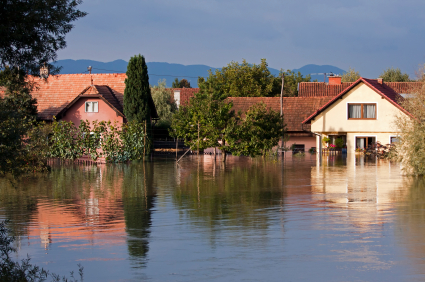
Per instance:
{"type": "Point", "coordinates": [348, 219]}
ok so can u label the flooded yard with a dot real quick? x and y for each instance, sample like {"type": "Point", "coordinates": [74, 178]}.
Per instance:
{"type": "Point", "coordinates": [347, 219]}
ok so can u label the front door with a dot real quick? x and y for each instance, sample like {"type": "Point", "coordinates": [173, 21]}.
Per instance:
{"type": "Point", "coordinates": [364, 142]}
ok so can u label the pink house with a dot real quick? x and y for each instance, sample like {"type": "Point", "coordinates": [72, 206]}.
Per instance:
{"type": "Point", "coordinates": [76, 97]}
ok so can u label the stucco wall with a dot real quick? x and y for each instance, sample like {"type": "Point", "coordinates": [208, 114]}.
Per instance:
{"type": "Point", "coordinates": [307, 141]}
{"type": "Point", "coordinates": [77, 112]}
{"type": "Point", "coordinates": [335, 118]}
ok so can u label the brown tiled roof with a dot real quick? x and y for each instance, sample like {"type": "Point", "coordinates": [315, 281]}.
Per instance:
{"type": "Point", "coordinates": [54, 94]}
{"type": "Point", "coordinates": [185, 94]}
{"type": "Point", "coordinates": [384, 90]}
{"type": "Point", "coordinates": [295, 109]}
{"type": "Point", "coordinates": [319, 89]}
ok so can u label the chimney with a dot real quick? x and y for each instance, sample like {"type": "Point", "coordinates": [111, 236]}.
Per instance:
{"type": "Point", "coordinates": [44, 71]}
{"type": "Point", "coordinates": [380, 80]}
{"type": "Point", "coordinates": [334, 80]}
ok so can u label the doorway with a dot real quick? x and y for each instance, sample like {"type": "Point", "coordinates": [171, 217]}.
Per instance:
{"type": "Point", "coordinates": [363, 142]}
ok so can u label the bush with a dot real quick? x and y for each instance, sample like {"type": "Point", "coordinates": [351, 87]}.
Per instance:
{"type": "Point", "coordinates": [23, 271]}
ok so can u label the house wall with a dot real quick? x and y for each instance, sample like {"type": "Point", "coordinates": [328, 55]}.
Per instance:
{"type": "Point", "coordinates": [307, 141]}
{"type": "Point", "coordinates": [76, 112]}
{"type": "Point", "coordinates": [334, 120]}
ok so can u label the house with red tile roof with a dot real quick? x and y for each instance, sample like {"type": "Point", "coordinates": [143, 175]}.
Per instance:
{"type": "Point", "coordinates": [362, 114]}
{"type": "Point", "coordinates": [75, 97]}
{"type": "Point", "coordinates": [335, 86]}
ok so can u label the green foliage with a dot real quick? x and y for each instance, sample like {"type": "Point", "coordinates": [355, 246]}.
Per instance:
{"type": "Point", "coordinates": [98, 139]}
{"type": "Point", "coordinates": [210, 122]}
{"type": "Point", "coordinates": [18, 113]}
{"type": "Point", "coordinates": [350, 76]}
{"type": "Point", "coordinates": [240, 80]}
{"type": "Point", "coordinates": [251, 80]}
{"type": "Point", "coordinates": [164, 105]}
{"type": "Point", "coordinates": [258, 132]}
{"type": "Point", "coordinates": [394, 75]}
{"type": "Point", "coordinates": [137, 91]}
{"type": "Point", "coordinates": [23, 271]}
{"type": "Point", "coordinates": [339, 142]}
{"type": "Point", "coordinates": [33, 31]}
{"type": "Point", "coordinates": [181, 83]}
{"type": "Point", "coordinates": [213, 117]}
{"type": "Point", "coordinates": [326, 140]}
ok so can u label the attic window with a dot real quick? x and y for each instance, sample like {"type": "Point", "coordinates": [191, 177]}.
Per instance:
{"type": "Point", "coordinates": [361, 111]}
{"type": "Point", "coordinates": [92, 107]}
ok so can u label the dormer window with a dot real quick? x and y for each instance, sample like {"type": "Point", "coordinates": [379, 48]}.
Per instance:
{"type": "Point", "coordinates": [362, 111]}
{"type": "Point", "coordinates": [92, 107]}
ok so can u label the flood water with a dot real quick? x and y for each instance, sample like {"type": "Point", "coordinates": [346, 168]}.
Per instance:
{"type": "Point", "coordinates": [348, 219]}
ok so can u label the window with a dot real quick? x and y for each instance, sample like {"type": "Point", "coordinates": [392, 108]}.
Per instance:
{"type": "Point", "coordinates": [361, 111]}
{"type": "Point", "coordinates": [92, 107]}
{"type": "Point", "coordinates": [393, 139]}
{"type": "Point", "coordinates": [298, 148]}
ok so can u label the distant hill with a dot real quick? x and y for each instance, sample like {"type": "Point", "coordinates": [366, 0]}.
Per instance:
{"type": "Point", "coordinates": [314, 71]}
{"type": "Point", "coordinates": [169, 71]}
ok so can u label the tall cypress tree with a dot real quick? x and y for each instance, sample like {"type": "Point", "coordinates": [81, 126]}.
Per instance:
{"type": "Point", "coordinates": [137, 90]}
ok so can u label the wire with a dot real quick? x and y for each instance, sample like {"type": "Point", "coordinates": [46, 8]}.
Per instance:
{"type": "Point", "coordinates": [151, 73]}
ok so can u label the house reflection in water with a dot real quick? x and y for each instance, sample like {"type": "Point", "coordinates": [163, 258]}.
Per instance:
{"type": "Point", "coordinates": [357, 182]}
{"type": "Point", "coordinates": [116, 200]}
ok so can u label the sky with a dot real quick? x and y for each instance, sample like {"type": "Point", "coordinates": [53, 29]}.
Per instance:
{"type": "Point", "coordinates": [369, 35]}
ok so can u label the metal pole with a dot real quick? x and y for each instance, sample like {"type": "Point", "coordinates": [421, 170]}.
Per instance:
{"type": "Point", "coordinates": [281, 109]}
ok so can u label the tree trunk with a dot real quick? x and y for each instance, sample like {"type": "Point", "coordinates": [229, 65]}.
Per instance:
{"type": "Point", "coordinates": [215, 152]}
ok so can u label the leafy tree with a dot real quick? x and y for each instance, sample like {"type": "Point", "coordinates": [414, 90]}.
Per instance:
{"type": "Point", "coordinates": [257, 133]}
{"type": "Point", "coordinates": [410, 147]}
{"type": "Point", "coordinates": [164, 105]}
{"type": "Point", "coordinates": [181, 83]}
{"type": "Point", "coordinates": [137, 91]}
{"type": "Point", "coordinates": [394, 75]}
{"type": "Point", "coordinates": [350, 76]}
{"type": "Point", "coordinates": [203, 122]}
{"type": "Point", "coordinates": [251, 80]}
{"type": "Point", "coordinates": [18, 113]}
{"type": "Point", "coordinates": [240, 80]}
{"type": "Point", "coordinates": [33, 31]}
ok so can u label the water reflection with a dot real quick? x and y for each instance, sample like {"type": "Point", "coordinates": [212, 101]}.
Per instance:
{"type": "Point", "coordinates": [343, 219]}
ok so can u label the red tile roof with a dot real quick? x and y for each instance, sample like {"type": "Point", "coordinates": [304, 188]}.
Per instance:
{"type": "Point", "coordinates": [185, 94]}
{"type": "Point", "coordinates": [319, 89]}
{"type": "Point", "coordinates": [384, 90]}
{"type": "Point", "coordinates": [58, 91]}
{"type": "Point", "coordinates": [295, 109]}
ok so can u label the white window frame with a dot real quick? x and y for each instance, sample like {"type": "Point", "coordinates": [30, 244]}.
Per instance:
{"type": "Point", "coordinates": [363, 102]}
{"type": "Point", "coordinates": [391, 136]}
{"type": "Point", "coordinates": [85, 107]}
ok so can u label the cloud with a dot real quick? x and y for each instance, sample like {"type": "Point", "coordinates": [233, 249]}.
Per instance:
{"type": "Point", "coordinates": [367, 35]}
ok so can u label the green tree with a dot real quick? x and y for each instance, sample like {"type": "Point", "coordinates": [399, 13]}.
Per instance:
{"type": "Point", "coordinates": [33, 31]}
{"type": "Point", "coordinates": [257, 133]}
{"type": "Point", "coordinates": [164, 105]}
{"type": "Point", "coordinates": [137, 91]}
{"type": "Point", "coordinates": [350, 76]}
{"type": "Point", "coordinates": [240, 80]}
{"type": "Point", "coordinates": [410, 147]}
{"type": "Point", "coordinates": [394, 75]}
{"type": "Point", "coordinates": [18, 113]}
{"type": "Point", "coordinates": [203, 122]}
{"type": "Point", "coordinates": [181, 83]}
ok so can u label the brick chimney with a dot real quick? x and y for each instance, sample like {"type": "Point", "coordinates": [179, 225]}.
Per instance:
{"type": "Point", "coordinates": [334, 80]}
{"type": "Point", "coordinates": [380, 80]}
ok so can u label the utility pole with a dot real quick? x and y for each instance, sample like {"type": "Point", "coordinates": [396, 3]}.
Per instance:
{"type": "Point", "coordinates": [281, 108]}
{"type": "Point", "coordinates": [198, 137]}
